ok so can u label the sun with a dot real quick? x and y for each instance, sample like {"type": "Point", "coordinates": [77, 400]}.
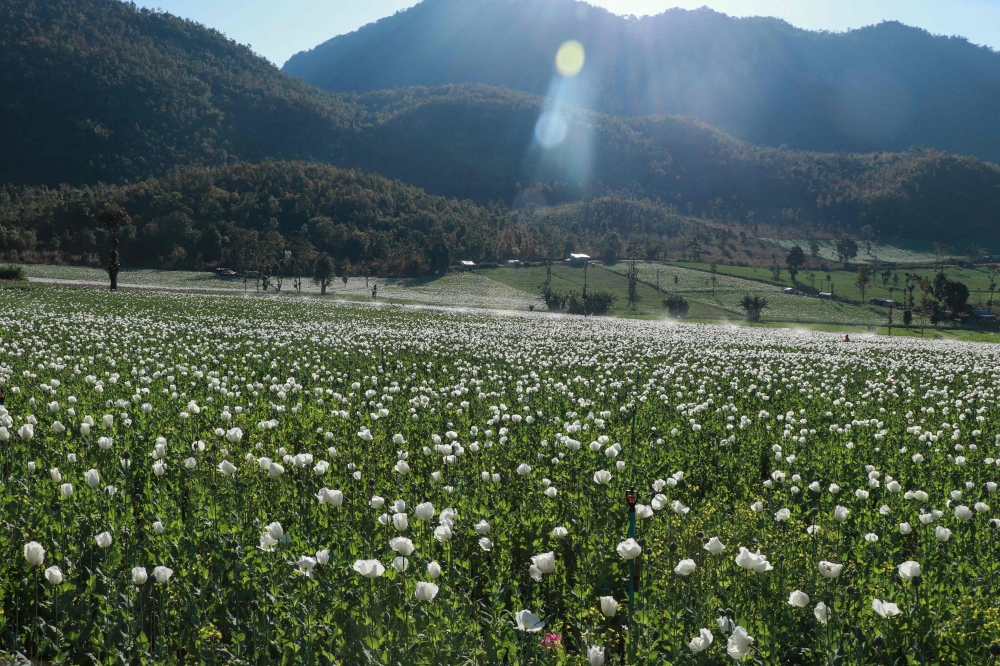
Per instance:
{"type": "Point", "coordinates": [570, 58]}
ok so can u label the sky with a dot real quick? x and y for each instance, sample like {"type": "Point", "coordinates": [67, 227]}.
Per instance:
{"type": "Point", "coordinates": [279, 29]}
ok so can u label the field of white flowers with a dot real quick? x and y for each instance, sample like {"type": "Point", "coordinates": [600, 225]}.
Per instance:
{"type": "Point", "coordinates": [213, 479]}
{"type": "Point", "coordinates": [880, 252]}
{"type": "Point", "coordinates": [453, 290]}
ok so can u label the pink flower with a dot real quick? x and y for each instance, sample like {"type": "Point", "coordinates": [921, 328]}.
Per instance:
{"type": "Point", "coordinates": [551, 640]}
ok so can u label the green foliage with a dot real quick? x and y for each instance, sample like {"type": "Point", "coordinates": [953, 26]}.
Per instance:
{"type": "Point", "coordinates": [942, 296]}
{"type": "Point", "coordinates": [862, 281]}
{"type": "Point", "coordinates": [951, 294]}
{"type": "Point", "coordinates": [11, 272]}
{"type": "Point", "coordinates": [753, 305]}
{"type": "Point", "coordinates": [246, 216]}
{"type": "Point", "coordinates": [794, 260]}
{"type": "Point", "coordinates": [676, 305]}
{"type": "Point", "coordinates": [847, 249]}
{"type": "Point", "coordinates": [595, 302]}
{"type": "Point", "coordinates": [323, 272]}
{"type": "Point", "coordinates": [100, 90]}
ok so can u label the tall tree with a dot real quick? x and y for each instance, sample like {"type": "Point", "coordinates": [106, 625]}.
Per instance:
{"type": "Point", "coordinates": [323, 272]}
{"type": "Point", "coordinates": [862, 281]}
{"type": "Point", "coordinates": [114, 219]}
{"type": "Point", "coordinates": [847, 249]}
{"type": "Point", "coordinates": [794, 260]}
{"type": "Point", "coordinates": [633, 281]}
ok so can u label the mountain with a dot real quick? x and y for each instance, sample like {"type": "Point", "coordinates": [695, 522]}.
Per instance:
{"type": "Point", "coordinates": [880, 88]}
{"type": "Point", "coordinates": [98, 91]}
{"type": "Point", "coordinates": [483, 143]}
{"type": "Point", "coordinates": [101, 90]}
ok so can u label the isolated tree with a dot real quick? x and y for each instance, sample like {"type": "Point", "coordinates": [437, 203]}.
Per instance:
{"type": "Point", "coordinates": [867, 235]}
{"type": "Point", "coordinates": [114, 219]}
{"type": "Point", "coordinates": [862, 281]}
{"type": "Point", "coordinates": [323, 272]}
{"type": "Point", "coordinates": [279, 274]}
{"type": "Point", "coordinates": [952, 294]}
{"type": "Point", "coordinates": [695, 249]}
{"type": "Point", "coordinates": [633, 282]}
{"type": "Point", "coordinates": [715, 277]}
{"type": "Point", "coordinates": [440, 257]}
{"type": "Point", "coordinates": [907, 317]}
{"type": "Point", "coordinates": [753, 306]}
{"type": "Point", "coordinates": [814, 250]}
{"type": "Point", "coordinates": [975, 253]}
{"type": "Point", "coordinates": [940, 252]}
{"type": "Point", "coordinates": [794, 260]}
{"type": "Point", "coordinates": [994, 270]}
{"type": "Point", "coordinates": [847, 249]}
{"type": "Point", "coordinates": [612, 247]}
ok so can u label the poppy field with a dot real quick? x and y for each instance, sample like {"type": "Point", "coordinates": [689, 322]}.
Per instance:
{"type": "Point", "coordinates": [243, 480]}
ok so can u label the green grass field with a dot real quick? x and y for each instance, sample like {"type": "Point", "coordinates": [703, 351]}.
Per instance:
{"type": "Point", "coordinates": [456, 289]}
{"type": "Point", "coordinates": [881, 253]}
{"type": "Point", "coordinates": [843, 281]}
{"type": "Point", "coordinates": [696, 286]}
{"type": "Point", "coordinates": [520, 289]}
{"type": "Point", "coordinates": [565, 278]}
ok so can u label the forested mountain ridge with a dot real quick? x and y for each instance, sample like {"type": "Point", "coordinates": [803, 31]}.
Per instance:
{"type": "Point", "coordinates": [100, 91]}
{"type": "Point", "coordinates": [246, 215]}
{"type": "Point", "coordinates": [878, 88]}
{"type": "Point", "coordinates": [483, 145]}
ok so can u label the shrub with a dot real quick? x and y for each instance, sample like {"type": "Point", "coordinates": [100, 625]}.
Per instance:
{"type": "Point", "coordinates": [676, 305]}
{"type": "Point", "coordinates": [753, 306]}
{"type": "Point", "coordinates": [594, 303]}
{"type": "Point", "coordinates": [11, 272]}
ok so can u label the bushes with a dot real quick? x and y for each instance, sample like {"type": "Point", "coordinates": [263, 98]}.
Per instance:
{"type": "Point", "coordinates": [753, 306]}
{"type": "Point", "coordinates": [676, 305]}
{"type": "Point", "coordinates": [11, 272]}
{"type": "Point", "coordinates": [593, 303]}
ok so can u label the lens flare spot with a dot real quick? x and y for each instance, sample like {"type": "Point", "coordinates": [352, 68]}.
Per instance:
{"type": "Point", "coordinates": [550, 130]}
{"type": "Point", "coordinates": [570, 58]}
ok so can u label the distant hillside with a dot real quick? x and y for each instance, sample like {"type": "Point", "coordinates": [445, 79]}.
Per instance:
{"type": "Point", "coordinates": [482, 145]}
{"type": "Point", "coordinates": [247, 215]}
{"type": "Point", "coordinates": [884, 87]}
{"type": "Point", "coordinates": [99, 91]}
